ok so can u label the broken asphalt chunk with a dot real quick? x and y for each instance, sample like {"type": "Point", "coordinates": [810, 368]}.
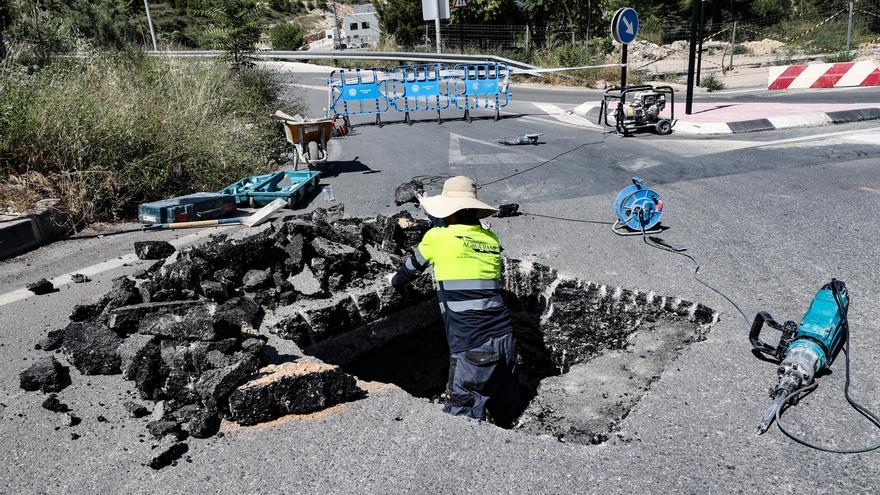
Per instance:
{"type": "Point", "coordinates": [92, 348]}
{"type": "Point", "coordinates": [135, 410]}
{"type": "Point", "coordinates": [168, 456]}
{"type": "Point", "coordinates": [41, 287]}
{"type": "Point", "coordinates": [408, 192]}
{"type": "Point", "coordinates": [46, 374]}
{"type": "Point", "coordinates": [53, 404]}
{"type": "Point", "coordinates": [153, 250]}
{"type": "Point", "coordinates": [291, 388]}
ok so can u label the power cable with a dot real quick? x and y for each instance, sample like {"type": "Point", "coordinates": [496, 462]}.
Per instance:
{"type": "Point", "coordinates": [565, 219]}
{"type": "Point", "coordinates": [697, 267]}
{"type": "Point", "coordinates": [545, 162]}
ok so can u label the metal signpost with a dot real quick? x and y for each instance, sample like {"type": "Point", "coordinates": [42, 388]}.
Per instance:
{"type": "Point", "coordinates": [435, 10]}
{"type": "Point", "coordinates": [624, 27]}
{"type": "Point", "coordinates": [695, 19]}
{"type": "Point", "coordinates": [460, 4]}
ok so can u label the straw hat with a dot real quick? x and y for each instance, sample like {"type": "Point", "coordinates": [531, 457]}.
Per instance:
{"type": "Point", "coordinates": [459, 193]}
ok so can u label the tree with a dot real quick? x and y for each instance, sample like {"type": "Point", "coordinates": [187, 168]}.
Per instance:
{"type": "Point", "coordinates": [235, 27]}
{"type": "Point", "coordinates": [286, 37]}
{"type": "Point", "coordinates": [105, 23]}
{"type": "Point", "coordinates": [36, 34]}
{"type": "Point", "coordinates": [401, 18]}
{"type": "Point", "coordinates": [767, 8]}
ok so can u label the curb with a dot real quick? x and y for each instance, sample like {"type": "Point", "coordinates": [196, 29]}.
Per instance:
{"type": "Point", "coordinates": [18, 236]}
{"type": "Point", "coordinates": [756, 125]}
{"type": "Point", "coordinates": [40, 225]}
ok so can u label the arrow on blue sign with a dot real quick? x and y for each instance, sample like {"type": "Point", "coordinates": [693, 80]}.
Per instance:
{"type": "Point", "coordinates": [625, 25]}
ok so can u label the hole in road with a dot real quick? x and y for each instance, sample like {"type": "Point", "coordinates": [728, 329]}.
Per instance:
{"type": "Point", "coordinates": [587, 353]}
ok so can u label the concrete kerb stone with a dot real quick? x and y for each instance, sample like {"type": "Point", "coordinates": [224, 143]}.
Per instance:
{"type": "Point", "coordinates": [39, 225]}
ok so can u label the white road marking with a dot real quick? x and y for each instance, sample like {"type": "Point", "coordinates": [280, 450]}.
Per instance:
{"type": "Point", "coordinates": [543, 120]}
{"type": "Point", "coordinates": [308, 86]}
{"type": "Point", "coordinates": [867, 138]}
{"type": "Point", "coordinates": [561, 115]}
{"type": "Point", "coordinates": [640, 163]}
{"type": "Point", "coordinates": [518, 156]}
{"type": "Point", "coordinates": [65, 279]}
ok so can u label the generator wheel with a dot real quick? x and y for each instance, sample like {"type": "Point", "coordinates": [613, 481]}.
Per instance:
{"type": "Point", "coordinates": [664, 127]}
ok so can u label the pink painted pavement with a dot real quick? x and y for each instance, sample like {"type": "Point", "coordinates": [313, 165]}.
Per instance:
{"type": "Point", "coordinates": [706, 112]}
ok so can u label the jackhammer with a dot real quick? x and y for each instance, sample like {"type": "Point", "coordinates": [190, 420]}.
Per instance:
{"type": "Point", "coordinates": [803, 351]}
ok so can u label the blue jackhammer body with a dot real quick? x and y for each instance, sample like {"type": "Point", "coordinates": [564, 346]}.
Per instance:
{"type": "Point", "coordinates": [804, 349]}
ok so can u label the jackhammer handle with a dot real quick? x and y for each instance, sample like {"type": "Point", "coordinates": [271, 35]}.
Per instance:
{"type": "Point", "coordinates": [755, 333]}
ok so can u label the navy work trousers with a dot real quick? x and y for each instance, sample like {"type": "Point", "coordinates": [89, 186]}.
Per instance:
{"type": "Point", "coordinates": [485, 377]}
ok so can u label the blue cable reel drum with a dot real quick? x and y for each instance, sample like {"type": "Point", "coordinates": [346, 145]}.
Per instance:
{"type": "Point", "coordinates": [638, 209]}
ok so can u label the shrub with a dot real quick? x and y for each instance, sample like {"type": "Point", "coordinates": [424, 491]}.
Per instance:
{"type": "Point", "coordinates": [710, 82]}
{"type": "Point", "coordinates": [105, 134]}
{"type": "Point", "coordinates": [287, 37]}
{"type": "Point", "coordinates": [840, 57]}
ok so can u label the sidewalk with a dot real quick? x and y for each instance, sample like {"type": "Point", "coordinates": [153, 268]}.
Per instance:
{"type": "Point", "coordinates": [734, 117]}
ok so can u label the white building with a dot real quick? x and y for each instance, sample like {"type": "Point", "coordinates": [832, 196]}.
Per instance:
{"type": "Point", "coordinates": [361, 27]}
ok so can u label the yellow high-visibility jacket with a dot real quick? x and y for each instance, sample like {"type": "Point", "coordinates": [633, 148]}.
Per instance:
{"type": "Point", "coordinates": [467, 272]}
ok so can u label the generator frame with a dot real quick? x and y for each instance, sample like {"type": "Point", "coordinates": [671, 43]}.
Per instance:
{"type": "Point", "coordinates": [618, 94]}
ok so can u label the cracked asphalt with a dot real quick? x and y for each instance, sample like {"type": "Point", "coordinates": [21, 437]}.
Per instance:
{"type": "Point", "coordinates": [770, 217]}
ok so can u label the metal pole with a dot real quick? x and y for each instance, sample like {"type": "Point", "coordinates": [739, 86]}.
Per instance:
{"type": "Point", "coordinates": [623, 66]}
{"type": "Point", "coordinates": [460, 31]}
{"type": "Point", "coordinates": [527, 37]}
{"type": "Point", "coordinates": [150, 23]}
{"type": "Point", "coordinates": [849, 29]}
{"type": "Point", "coordinates": [437, 27]}
{"type": "Point", "coordinates": [336, 40]}
{"type": "Point", "coordinates": [700, 46]}
{"type": "Point", "coordinates": [695, 18]}
{"type": "Point", "coordinates": [589, 10]}
{"type": "Point", "coordinates": [732, 44]}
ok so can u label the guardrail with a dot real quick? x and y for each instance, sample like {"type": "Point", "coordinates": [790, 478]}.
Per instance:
{"type": "Point", "coordinates": [453, 58]}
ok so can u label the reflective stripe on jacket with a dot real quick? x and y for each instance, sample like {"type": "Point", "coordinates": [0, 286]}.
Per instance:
{"type": "Point", "coordinates": [467, 269]}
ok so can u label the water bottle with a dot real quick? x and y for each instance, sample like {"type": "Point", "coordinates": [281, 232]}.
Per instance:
{"type": "Point", "coordinates": [328, 193]}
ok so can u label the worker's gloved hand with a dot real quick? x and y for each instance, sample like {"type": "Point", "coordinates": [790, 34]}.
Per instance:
{"type": "Point", "coordinates": [389, 278]}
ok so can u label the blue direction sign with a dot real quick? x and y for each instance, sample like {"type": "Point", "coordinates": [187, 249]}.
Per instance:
{"type": "Point", "coordinates": [625, 25]}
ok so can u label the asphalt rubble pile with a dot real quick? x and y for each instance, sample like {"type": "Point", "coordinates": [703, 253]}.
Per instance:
{"type": "Point", "coordinates": [191, 330]}
{"type": "Point", "coordinates": [186, 330]}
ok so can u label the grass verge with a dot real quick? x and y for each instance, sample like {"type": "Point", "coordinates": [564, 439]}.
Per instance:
{"type": "Point", "coordinates": [106, 133]}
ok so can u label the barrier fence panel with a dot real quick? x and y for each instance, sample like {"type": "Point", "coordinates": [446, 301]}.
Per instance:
{"type": "Point", "coordinates": [420, 88]}
{"type": "Point", "coordinates": [482, 86]}
{"type": "Point", "coordinates": [360, 92]}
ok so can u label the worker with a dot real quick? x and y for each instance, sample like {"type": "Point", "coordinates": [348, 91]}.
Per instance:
{"type": "Point", "coordinates": [467, 267]}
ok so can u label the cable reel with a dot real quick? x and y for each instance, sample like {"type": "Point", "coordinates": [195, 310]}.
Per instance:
{"type": "Point", "coordinates": [638, 209]}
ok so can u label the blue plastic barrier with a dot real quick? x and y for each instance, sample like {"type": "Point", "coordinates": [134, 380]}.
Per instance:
{"type": "Point", "coordinates": [420, 88]}
{"type": "Point", "coordinates": [481, 86]}
{"type": "Point", "coordinates": [360, 92]}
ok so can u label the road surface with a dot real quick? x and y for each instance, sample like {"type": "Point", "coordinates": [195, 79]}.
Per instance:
{"type": "Point", "coordinates": [770, 217]}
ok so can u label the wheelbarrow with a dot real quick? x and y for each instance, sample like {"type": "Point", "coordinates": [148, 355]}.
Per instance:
{"type": "Point", "coordinates": [309, 138]}
{"type": "Point", "coordinates": [289, 185]}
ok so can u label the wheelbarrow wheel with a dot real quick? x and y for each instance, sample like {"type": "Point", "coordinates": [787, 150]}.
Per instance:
{"type": "Point", "coordinates": [251, 202]}
{"type": "Point", "coordinates": [313, 152]}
